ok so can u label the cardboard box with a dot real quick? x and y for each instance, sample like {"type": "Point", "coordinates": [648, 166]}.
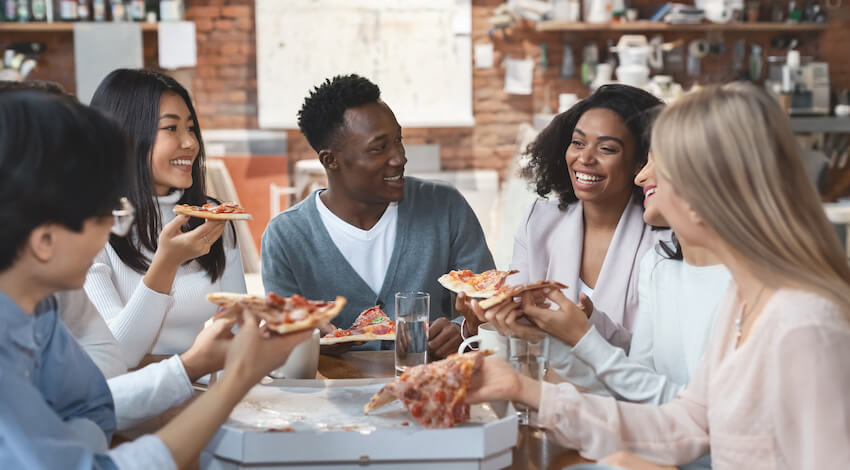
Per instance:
{"type": "Point", "coordinates": [319, 424]}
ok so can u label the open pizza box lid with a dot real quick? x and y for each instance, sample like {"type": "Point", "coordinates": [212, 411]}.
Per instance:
{"type": "Point", "coordinates": [320, 424]}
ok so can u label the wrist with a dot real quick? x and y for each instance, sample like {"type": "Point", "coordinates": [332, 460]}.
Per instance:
{"type": "Point", "coordinates": [528, 392]}
{"type": "Point", "coordinates": [575, 334]}
{"type": "Point", "coordinates": [193, 370]}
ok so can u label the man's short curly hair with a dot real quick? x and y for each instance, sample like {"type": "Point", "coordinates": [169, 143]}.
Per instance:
{"type": "Point", "coordinates": [321, 115]}
{"type": "Point", "coordinates": [547, 166]}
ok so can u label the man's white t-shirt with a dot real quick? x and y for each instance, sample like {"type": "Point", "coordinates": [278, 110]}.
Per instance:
{"type": "Point", "coordinates": [367, 251]}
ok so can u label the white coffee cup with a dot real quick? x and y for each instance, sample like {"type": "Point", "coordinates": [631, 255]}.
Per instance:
{"type": "Point", "coordinates": [303, 361]}
{"type": "Point", "coordinates": [487, 338]}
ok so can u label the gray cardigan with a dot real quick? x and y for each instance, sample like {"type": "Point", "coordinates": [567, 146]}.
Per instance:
{"type": "Point", "coordinates": [437, 232]}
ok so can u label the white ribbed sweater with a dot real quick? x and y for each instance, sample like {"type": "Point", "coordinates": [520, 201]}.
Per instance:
{"type": "Point", "coordinates": [144, 321]}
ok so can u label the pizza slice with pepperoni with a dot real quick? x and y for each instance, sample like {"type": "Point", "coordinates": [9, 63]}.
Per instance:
{"type": "Point", "coordinates": [372, 324]}
{"type": "Point", "coordinates": [280, 314]}
{"type": "Point", "coordinates": [223, 211]}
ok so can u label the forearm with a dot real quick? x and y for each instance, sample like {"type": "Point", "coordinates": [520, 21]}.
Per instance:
{"type": "Point", "coordinates": [161, 273]}
{"type": "Point", "coordinates": [149, 391]}
{"type": "Point", "coordinates": [529, 392]}
{"type": "Point", "coordinates": [188, 433]}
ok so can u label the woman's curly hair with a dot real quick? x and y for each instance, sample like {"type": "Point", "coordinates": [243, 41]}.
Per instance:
{"type": "Point", "coordinates": [548, 167]}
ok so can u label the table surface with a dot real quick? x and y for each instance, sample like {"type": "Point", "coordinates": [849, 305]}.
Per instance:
{"type": "Point", "coordinates": [534, 450]}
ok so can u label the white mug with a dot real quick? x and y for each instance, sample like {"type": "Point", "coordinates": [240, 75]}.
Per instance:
{"type": "Point", "coordinates": [487, 338]}
{"type": "Point", "coordinates": [303, 361]}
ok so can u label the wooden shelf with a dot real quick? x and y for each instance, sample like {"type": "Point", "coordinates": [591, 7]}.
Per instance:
{"type": "Point", "coordinates": [658, 26]}
{"type": "Point", "coordinates": [41, 27]}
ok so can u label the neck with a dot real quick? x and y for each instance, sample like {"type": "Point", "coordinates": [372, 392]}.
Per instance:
{"type": "Point", "coordinates": [698, 256]}
{"type": "Point", "coordinates": [604, 215]}
{"type": "Point", "coordinates": [23, 289]}
{"type": "Point", "coordinates": [360, 214]}
{"type": "Point", "coordinates": [750, 284]}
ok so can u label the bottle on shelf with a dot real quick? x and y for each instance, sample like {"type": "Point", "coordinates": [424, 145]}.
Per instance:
{"type": "Point", "coordinates": [23, 10]}
{"type": "Point", "coordinates": [99, 10]}
{"type": "Point", "coordinates": [10, 10]}
{"type": "Point", "coordinates": [119, 13]}
{"type": "Point", "coordinates": [137, 10]}
{"type": "Point", "coordinates": [68, 10]}
{"type": "Point", "coordinates": [39, 10]}
{"type": "Point", "coordinates": [83, 12]}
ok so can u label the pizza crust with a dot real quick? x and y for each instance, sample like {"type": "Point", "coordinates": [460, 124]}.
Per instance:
{"type": "Point", "coordinates": [181, 210]}
{"type": "Point", "coordinates": [361, 337]}
{"type": "Point", "coordinates": [516, 290]}
{"type": "Point", "coordinates": [227, 298]}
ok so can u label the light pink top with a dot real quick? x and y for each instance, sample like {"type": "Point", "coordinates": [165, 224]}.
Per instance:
{"type": "Point", "coordinates": [781, 401]}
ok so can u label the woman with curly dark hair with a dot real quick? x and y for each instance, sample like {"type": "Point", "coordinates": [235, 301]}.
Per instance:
{"type": "Point", "coordinates": [590, 233]}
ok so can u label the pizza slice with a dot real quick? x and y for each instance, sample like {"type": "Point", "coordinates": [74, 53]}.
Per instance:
{"type": "Point", "coordinates": [223, 211]}
{"type": "Point", "coordinates": [434, 394]}
{"type": "Point", "coordinates": [482, 285]}
{"type": "Point", "coordinates": [372, 324]}
{"type": "Point", "coordinates": [281, 314]}
{"type": "Point", "coordinates": [513, 291]}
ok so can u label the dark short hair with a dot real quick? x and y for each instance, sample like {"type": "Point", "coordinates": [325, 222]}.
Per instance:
{"type": "Point", "coordinates": [46, 86]}
{"type": "Point", "coordinates": [60, 162]}
{"type": "Point", "coordinates": [547, 166]}
{"type": "Point", "coordinates": [321, 115]}
{"type": "Point", "coordinates": [132, 98]}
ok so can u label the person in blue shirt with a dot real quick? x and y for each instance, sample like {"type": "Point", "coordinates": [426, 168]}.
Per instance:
{"type": "Point", "coordinates": [63, 167]}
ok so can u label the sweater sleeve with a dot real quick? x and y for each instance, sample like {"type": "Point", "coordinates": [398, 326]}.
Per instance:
{"type": "Point", "coordinates": [277, 273]}
{"type": "Point", "coordinates": [89, 329]}
{"type": "Point", "coordinates": [672, 434]}
{"type": "Point", "coordinates": [135, 322]}
{"type": "Point", "coordinates": [149, 391]}
{"type": "Point", "coordinates": [809, 378]}
{"type": "Point", "coordinates": [612, 331]}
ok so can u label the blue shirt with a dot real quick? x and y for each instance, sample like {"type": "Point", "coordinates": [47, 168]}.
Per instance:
{"type": "Point", "coordinates": [46, 382]}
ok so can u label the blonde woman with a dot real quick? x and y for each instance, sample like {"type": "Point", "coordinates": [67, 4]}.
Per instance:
{"type": "Point", "coordinates": [771, 391]}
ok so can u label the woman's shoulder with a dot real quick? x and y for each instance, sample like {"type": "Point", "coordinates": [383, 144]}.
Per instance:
{"type": "Point", "coordinates": [793, 309]}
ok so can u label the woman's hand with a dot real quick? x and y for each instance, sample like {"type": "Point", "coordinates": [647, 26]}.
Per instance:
{"type": "Point", "coordinates": [255, 351]}
{"type": "Point", "coordinates": [497, 380]}
{"type": "Point", "coordinates": [177, 247]}
{"type": "Point", "coordinates": [568, 323]}
{"type": "Point", "coordinates": [209, 349]}
{"type": "Point", "coordinates": [633, 462]}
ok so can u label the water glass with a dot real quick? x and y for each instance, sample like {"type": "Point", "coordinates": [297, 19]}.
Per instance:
{"type": "Point", "coordinates": [529, 358]}
{"type": "Point", "coordinates": [412, 311]}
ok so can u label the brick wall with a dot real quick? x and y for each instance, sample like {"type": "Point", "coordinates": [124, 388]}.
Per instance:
{"type": "Point", "coordinates": [224, 84]}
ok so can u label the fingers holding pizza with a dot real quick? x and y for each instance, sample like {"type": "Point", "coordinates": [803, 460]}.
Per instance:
{"type": "Point", "coordinates": [177, 246]}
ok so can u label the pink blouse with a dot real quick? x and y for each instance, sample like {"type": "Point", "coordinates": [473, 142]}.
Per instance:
{"type": "Point", "coordinates": [780, 401]}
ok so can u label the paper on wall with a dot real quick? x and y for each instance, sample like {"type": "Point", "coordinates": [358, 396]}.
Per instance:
{"type": "Point", "coordinates": [177, 45]}
{"type": "Point", "coordinates": [484, 55]}
{"type": "Point", "coordinates": [519, 74]}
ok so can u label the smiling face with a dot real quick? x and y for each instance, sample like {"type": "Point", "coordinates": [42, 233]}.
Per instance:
{"type": "Point", "coordinates": [176, 147]}
{"type": "Point", "coordinates": [601, 157]}
{"type": "Point", "coordinates": [646, 180]}
{"type": "Point", "coordinates": [369, 155]}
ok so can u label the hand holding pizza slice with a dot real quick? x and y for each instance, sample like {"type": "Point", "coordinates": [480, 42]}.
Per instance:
{"type": "Point", "coordinates": [280, 314]}
{"type": "Point", "coordinates": [435, 393]}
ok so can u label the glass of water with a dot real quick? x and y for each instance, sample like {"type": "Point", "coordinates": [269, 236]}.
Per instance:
{"type": "Point", "coordinates": [412, 310]}
{"type": "Point", "coordinates": [529, 358]}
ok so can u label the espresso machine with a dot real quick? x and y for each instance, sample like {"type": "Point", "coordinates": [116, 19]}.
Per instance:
{"type": "Point", "coordinates": [805, 80]}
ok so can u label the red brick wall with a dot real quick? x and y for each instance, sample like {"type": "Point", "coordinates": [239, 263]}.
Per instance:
{"type": "Point", "coordinates": [224, 84]}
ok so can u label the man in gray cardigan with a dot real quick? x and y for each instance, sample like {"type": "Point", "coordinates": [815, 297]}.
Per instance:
{"type": "Point", "coordinates": [373, 232]}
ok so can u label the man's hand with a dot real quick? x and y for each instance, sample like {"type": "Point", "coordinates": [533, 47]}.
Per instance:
{"type": "Point", "coordinates": [443, 338]}
{"type": "Point", "coordinates": [472, 313]}
{"type": "Point", "coordinates": [209, 349]}
{"type": "Point", "coordinates": [633, 462]}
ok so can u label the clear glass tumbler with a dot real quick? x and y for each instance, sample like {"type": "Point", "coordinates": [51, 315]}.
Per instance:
{"type": "Point", "coordinates": [529, 358]}
{"type": "Point", "coordinates": [412, 310]}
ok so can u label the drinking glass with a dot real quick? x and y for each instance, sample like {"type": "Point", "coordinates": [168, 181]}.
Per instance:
{"type": "Point", "coordinates": [529, 358]}
{"type": "Point", "coordinates": [412, 310]}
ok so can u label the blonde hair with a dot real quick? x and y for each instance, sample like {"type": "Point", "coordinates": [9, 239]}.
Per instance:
{"type": "Point", "coordinates": [730, 152]}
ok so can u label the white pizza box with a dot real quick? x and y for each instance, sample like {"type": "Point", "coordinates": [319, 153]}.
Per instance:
{"type": "Point", "coordinates": [319, 424]}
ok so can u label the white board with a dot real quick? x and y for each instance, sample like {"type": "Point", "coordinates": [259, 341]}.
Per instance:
{"type": "Point", "coordinates": [417, 51]}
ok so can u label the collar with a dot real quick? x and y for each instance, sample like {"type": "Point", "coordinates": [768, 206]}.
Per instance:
{"type": "Point", "coordinates": [170, 198]}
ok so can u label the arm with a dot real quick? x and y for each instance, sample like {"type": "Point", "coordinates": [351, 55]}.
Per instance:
{"type": "Point", "coordinates": [233, 277]}
{"type": "Point", "coordinates": [809, 379]}
{"type": "Point", "coordinates": [277, 273]}
{"type": "Point", "coordinates": [87, 326]}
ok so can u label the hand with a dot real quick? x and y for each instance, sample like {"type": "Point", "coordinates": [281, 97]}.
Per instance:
{"type": "Point", "coordinates": [472, 313]}
{"type": "Point", "coordinates": [633, 462]}
{"type": "Point", "coordinates": [209, 349]}
{"type": "Point", "coordinates": [508, 320]}
{"type": "Point", "coordinates": [569, 323]}
{"type": "Point", "coordinates": [498, 380]}
{"type": "Point", "coordinates": [177, 246]}
{"type": "Point", "coordinates": [255, 351]}
{"type": "Point", "coordinates": [443, 338]}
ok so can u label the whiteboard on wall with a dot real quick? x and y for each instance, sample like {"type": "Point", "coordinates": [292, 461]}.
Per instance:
{"type": "Point", "coordinates": [417, 51]}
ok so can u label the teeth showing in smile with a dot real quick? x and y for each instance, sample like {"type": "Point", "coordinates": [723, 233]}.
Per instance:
{"type": "Point", "coordinates": [393, 178]}
{"type": "Point", "coordinates": [650, 192]}
{"type": "Point", "coordinates": [587, 178]}
{"type": "Point", "coordinates": [181, 162]}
